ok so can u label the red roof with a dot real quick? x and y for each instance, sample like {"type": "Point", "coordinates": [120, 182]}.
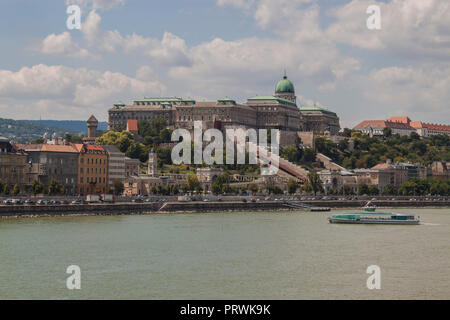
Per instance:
{"type": "Point", "coordinates": [436, 127]}
{"type": "Point", "coordinates": [371, 123]}
{"type": "Point", "coordinates": [416, 124]}
{"type": "Point", "coordinates": [94, 147]}
{"type": "Point", "coordinates": [89, 148]}
{"type": "Point", "coordinates": [57, 148]}
{"type": "Point", "coordinates": [378, 124]}
{"type": "Point", "coordinates": [132, 125]}
{"type": "Point", "coordinates": [400, 119]}
{"type": "Point", "coordinates": [382, 166]}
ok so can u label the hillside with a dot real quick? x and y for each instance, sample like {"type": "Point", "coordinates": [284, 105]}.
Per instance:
{"type": "Point", "coordinates": [368, 151]}
{"type": "Point", "coordinates": [21, 131]}
{"type": "Point", "coordinates": [69, 125]}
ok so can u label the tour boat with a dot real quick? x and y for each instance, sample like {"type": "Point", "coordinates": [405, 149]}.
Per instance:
{"type": "Point", "coordinates": [374, 218]}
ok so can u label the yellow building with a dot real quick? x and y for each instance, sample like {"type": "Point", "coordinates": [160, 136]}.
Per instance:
{"type": "Point", "coordinates": [92, 169]}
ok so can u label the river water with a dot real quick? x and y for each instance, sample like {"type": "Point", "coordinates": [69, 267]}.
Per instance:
{"type": "Point", "coordinates": [263, 255]}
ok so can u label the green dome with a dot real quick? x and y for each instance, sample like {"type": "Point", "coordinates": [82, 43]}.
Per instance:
{"type": "Point", "coordinates": [285, 86]}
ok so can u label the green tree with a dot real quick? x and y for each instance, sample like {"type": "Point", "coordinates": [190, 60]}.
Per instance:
{"type": "Point", "coordinates": [193, 183]}
{"type": "Point", "coordinates": [292, 186]}
{"type": "Point", "coordinates": [16, 189]}
{"type": "Point", "coordinates": [6, 190]}
{"type": "Point", "coordinates": [2, 187]}
{"type": "Point", "coordinates": [347, 132]}
{"type": "Point", "coordinates": [122, 140]}
{"type": "Point", "coordinates": [309, 155]}
{"type": "Point", "coordinates": [37, 187]}
{"type": "Point", "coordinates": [373, 190]}
{"type": "Point", "coordinates": [273, 189]}
{"type": "Point", "coordinates": [118, 187]}
{"type": "Point", "coordinates": [291, 153]}
{"type": "Point", "coordinates": [253, 188]}
{"type": "Point", "coordinates": [220, 185]}
{"type": "Point", "coordinates": [387, 132]}
{"type": "Point", "coordinates": [363, 189]}
{"type": "Point", "coordinates": [314, 182]}
{"type": "Point", "coordinates": [54, 187]}
{"type": "Point", "coordinates": [389, 190]}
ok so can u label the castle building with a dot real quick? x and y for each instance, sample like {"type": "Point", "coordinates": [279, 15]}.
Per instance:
{"type": "Point", "coordinates": [402, 126]}
{"type": "Point", "coordinates": [279, 111]}
{"type": "Point", "coordinates": [319, 120]}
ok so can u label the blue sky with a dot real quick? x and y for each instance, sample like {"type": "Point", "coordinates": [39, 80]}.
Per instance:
{"type": "Point", "coordinates": [209, 49]}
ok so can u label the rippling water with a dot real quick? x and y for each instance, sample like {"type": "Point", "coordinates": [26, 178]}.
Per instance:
{"type": "Point", "coordinates": [278, 255]}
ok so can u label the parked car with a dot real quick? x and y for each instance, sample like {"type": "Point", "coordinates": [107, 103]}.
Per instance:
{"type": "Point", "coordinates": [29, 201]}
{"type": "Point", "coordinates": [137, 200]}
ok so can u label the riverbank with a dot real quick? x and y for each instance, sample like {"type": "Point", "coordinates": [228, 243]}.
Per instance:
{"type": "Point", "coordinates": [196, 206]}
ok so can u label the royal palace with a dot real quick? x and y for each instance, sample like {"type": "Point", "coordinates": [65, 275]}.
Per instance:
{"type": "Point", "coordinates": [279, 111]}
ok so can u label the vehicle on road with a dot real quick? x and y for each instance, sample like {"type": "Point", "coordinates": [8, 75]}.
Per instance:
{"type": "Point", "coordinates": [93, 198]}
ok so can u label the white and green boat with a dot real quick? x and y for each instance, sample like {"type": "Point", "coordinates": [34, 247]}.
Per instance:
{"type": "Point", "coordinates": [374, 218]}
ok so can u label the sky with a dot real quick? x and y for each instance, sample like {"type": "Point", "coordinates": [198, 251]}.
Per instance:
{"type": "Point", "coordinates": [211, 49]}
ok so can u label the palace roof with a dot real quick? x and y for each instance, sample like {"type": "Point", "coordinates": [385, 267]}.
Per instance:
{"type": "Point", "coordinates": [316, 108]}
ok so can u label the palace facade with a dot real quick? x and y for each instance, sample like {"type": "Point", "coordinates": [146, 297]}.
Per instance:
{"type": "Point", "coordinates": [279, 111]}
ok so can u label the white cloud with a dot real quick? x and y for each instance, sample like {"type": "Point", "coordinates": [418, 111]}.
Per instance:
{"type": "Point", "coordinates": [62, 45]}
{"type": "Point", "coordinates": [171, 50]}
{"type": "Point", "coordinates": [146, 73]}
{"type": "Point", "coordinates": [409, 28]}
{"type": "Point", "coordinates": [74, 93]}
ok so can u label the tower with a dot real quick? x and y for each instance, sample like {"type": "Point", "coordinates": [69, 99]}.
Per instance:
{"type": "Point", "coordinates": [92, 125]}
{"type": "Point", "coordinates": [285, 89]}
{"type": "Point", "coordinates": [152, 169]}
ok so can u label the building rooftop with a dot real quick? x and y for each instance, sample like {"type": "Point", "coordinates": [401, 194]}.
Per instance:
{"type": "Point", "coordinates": [272, 98]}
{"type": "Point", "coordinates": [381, 124]}
{"type": "Point", "coordinates": [284, 86]}
{"type": "Point", "coordinates": [318, 109]}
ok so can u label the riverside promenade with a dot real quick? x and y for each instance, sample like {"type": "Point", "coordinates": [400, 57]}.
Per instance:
{"type": "Point", "coordinates": [123, 208]}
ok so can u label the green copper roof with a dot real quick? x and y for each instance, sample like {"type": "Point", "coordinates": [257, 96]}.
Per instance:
{"type": "Point", "coordinates": [284, 86]}
{"type": "Point", "coordinates": [159, 100]}
{"type": "Point", "coordinates": [279, 100]}
{"type": "Point", "coordinates": [227, 101]}
{"type": "Point", "coordinates": [315, 108]}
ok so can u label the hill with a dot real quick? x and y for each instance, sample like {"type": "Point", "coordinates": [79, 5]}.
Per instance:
{"type": "Point", "coordinates": [21, 131]}
{"type": "Point", "coordinates": [69, 125]}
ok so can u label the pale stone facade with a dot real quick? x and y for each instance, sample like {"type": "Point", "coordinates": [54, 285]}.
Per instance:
{"type": "Point", "coordinates": [279, 111]}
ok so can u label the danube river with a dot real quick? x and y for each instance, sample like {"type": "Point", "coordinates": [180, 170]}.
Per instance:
{"type": "Point", "coordinates": [263, 255]}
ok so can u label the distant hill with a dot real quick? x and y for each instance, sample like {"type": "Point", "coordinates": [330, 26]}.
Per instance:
{"type": "Point", "coordinates": [21, 131]}
{"type": "Point", "coordinates": [69, 125]}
